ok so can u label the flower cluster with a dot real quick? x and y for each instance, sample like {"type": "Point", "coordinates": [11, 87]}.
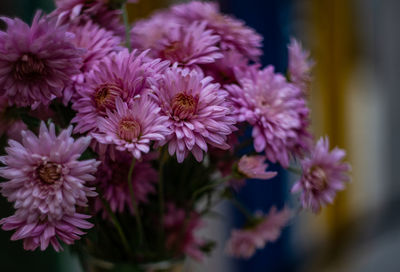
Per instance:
{"type": "Point", "coordinates": [145, 138]}
{"type": "Point", "coordinates": [47, 183]}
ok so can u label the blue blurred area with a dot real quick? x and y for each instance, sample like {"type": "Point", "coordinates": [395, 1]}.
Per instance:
{"type": "Point", "coordinates": [270, 18]}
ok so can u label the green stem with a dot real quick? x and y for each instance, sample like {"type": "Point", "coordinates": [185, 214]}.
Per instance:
{"type": "Point", "coordinates": [242, 209]}
{"type": "Point", "coordinates": [134, 203]}
{"type": "Point", "coordinates": [127, 27]}
{"type": "Point", "coordinates": [163, 158]}
{"type": "Point", "coordinates": [117, 225]}
{"type": "Point", "coordinates": [294, 170]}
{"type": "Point", "coordinates": [208, 187]}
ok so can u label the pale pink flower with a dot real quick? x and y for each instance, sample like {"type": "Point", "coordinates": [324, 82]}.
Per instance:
{"type": "Point", "coordinates": [243, 243]}
{"type": "Point", "coordinates": [277, 111]}
{"type": "Point", "coordinates": [300, 65]}
{"type": "Point", "coordinates": [133, 127]}
{"type": "Point", "coordinates": [112, 178]}
{"type": "Point", "coordinates": [47, 183]}
{"type": "Point", "coordinates": [324, 174]}
{"type": "Point", "coordinates": [180, 240]}
{"type": "Point", "coordinates": [235, 35]}
{"type": "Point", "coordinates": [37, 62]}
{"type": "Point", "coordinates": [254, 167]}
{"type": "Point", "coordinates": [197, 110]}
{"type": "Point", "coordinates": [121, 74]}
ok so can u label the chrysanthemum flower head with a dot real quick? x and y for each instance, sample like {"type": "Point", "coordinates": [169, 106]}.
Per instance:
{"type": "Point", "coordinates": [97, 43]}
{"type": "Point", "coordinates": [112, 178]}
{"type": "Point", "coordinates": [78, 12]}
{"type": "Point", "coordinates": [121, 74]}
{"type": "Point", "coordinates": [37, 62]}
{"type": "Point", "coordinates": [225, 70]}
{"type": "Point", "coordinates": [132, 127]}
{"type": "Point", "coordinates": [145, 33]}
{"type": "Point", "coordinates": [324, 174]}
{"type": "Point", "coordinates": [187, 44]}
{"type": "Point", "coordinates": [254, 167]}
{"type": "Point", "coordinates": [197, 110]}
{"type": "Point", "coordinates": [243, 243]}
{"type": "Point", "coordinates": [276, 110]}
{"type": "Point", "coordinates": [235, 35]}
{"type": "Point", "coordinates": [47, 182]}
{"type": "Point", "coordinates": [299, 65]}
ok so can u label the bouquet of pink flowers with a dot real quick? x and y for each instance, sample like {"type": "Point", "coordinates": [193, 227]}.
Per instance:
{"type": "Point", "coordinates": [126, 136]}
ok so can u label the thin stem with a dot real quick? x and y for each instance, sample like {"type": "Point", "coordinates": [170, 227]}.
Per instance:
{"type": "Point", "coordinates": [116, 224]}
{"type": "Point", "coordinates": [294, 170]}
{"type": "Point", "coordinates": [242, 209]}
{"type": "Point", "coordinates": [163, 158]}
{"type": "Point", "coordinates": [208, 187]}
{"type": "Point", "coordinates": [134, 203]}
{"type": "Point", "coordinates": [127, 27]}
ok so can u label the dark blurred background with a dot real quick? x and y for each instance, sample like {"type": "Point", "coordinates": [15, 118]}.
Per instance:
{"type": "Point", "coordinates": [354, 100]}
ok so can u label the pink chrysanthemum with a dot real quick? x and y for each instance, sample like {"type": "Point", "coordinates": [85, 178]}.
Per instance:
{"type": "Point", "coordinates": [187, 45]}
{"type": "Point", "coordinates": [235, 35]}
{"type": "Point", "coordinates": [47, 183]}
{"type": "Point", "coordinates": [223, 70]}
{"type": "Point", "coordinates": [197, 112]}
{"type": "Point", "coordinates": [121, 74]}
{"type": "Point", "coordinates": [324, 174]}
{"type": "Point", "coordinates": [299, 65]}
{"type": "Point", "coordinates": [146, 33]}
{"type": "Point", "coordinates": [254, 167]}
{"type": "Point", "coordinates": [98, 43]}
{"type": "Point", "coordinates": [243, 243]}
{"type": "Point", "coordinates": [132, 127]}
{"type": "Point", "coordinates": [112, 178]}
{"type": "Point", "coordinates": [37, 62]}
{"type": "Point", "coordinates": [78, 12]}
{"type": "Point", "coordinates": [183, 241]}
{"type": "Point", "coordinates": [276, 110]}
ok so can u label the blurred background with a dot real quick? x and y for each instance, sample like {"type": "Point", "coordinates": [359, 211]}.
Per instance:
{"type": "Point", "coordinates": [354, 100]}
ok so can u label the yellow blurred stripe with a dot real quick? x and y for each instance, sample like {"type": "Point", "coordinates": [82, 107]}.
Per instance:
{"type": "Point", "coordinates": [335, 55]}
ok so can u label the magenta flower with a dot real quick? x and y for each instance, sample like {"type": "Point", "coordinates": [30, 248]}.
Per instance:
{"type": "Point", "coordinates": [37, 62]}
{"type": "Point", "coordinates": [243, 243]}
{"type": "Point", "coordinates": [112, 178]}
{"type": "Point", "coordinates": [276, 110]}
{"type": "Point", "coordinates": [182, 240]}
{"type": "Point", "coordinates": [47, 183]}
{"type": "Point", "coordinates": [132, 127]}
{"type": "Point", "coordinates": [324, 174]}
{"type": "Point", "coordinates": [235, 35]}
{"type": "Point", "coordinates": [187, 44]}
{"type": "Point", "coordinates": [79, 12]}
{"type": "Point", "coordinates": [98, 43]}
{"type": "Point", "coordinates": [121, 74]}
{"type": "Point", "coordinates": [299, 65]}
{"type": "Point", "coordinates": [197, 112]}
{"type": "Point", "coordinates": [254, 167]}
